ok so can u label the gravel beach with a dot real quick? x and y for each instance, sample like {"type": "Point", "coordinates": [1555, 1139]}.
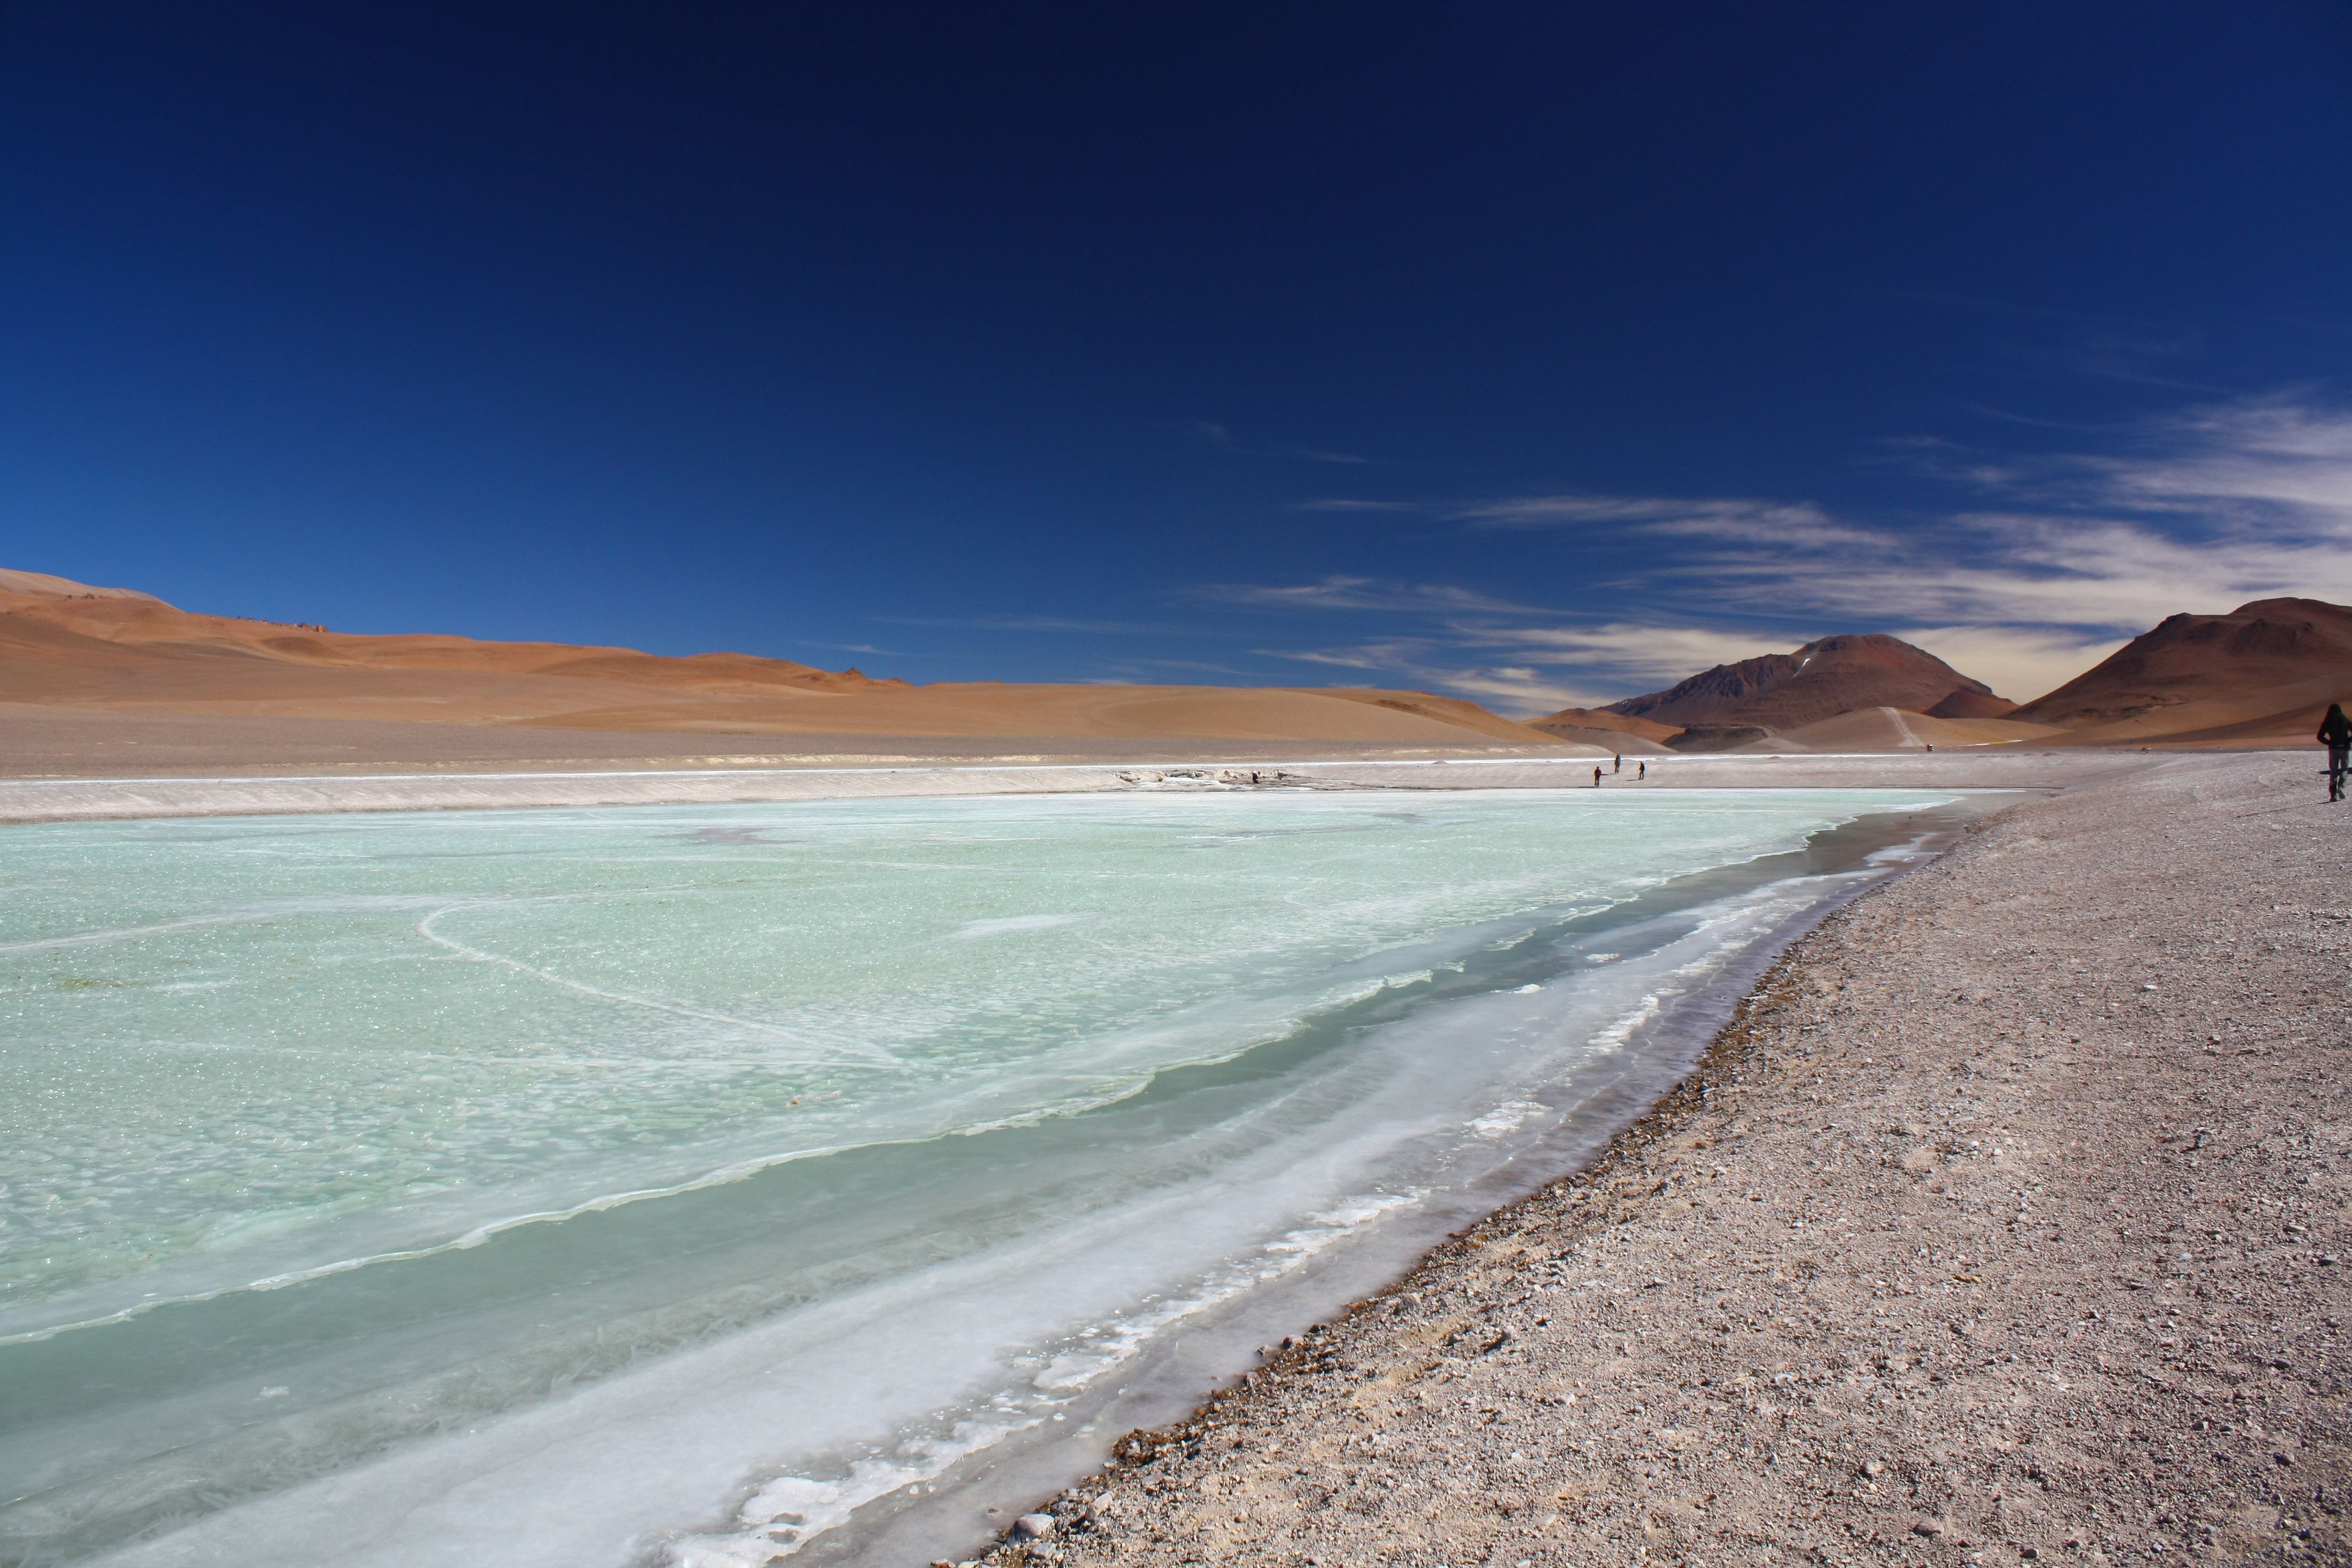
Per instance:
{"type": "Point", "coordinates": [2005, 1222]}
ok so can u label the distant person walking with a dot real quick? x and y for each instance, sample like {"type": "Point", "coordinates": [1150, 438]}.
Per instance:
{"type": "Point", "coordinates": [1596, 778]}
{"type": "Point", "coordinates": [2335, 734]}
{"type": "Point", "coordinates": [1642, 774]}
{"type": "Point", "coordinates": [1618, 766]}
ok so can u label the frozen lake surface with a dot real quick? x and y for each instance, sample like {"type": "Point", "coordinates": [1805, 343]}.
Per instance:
{"type": "Point", "coordinates": [656, 1184]}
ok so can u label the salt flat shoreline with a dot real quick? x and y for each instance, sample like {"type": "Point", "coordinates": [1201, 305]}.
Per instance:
{"type": "Point", "coordinates": [1720, 1343]}
{"type": "Point", "coordinates": [2005, 1222]}
{"type": "Point", "coordinates": [70, 799]}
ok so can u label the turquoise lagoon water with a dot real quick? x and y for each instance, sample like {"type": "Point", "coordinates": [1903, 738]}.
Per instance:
{"type": "Point", "coordinates": [655, 1186]}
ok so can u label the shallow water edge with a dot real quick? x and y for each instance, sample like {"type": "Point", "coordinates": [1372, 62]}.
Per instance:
{"type": "Point", "coordinates": [549, 1325]}
{"type": "Point", "coordinates": [960, 1512]}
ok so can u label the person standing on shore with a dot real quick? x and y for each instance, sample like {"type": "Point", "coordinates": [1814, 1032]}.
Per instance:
{"type": "Point", "coordinates": [1642, 774]}
{"type": "Point", "coordinates": [2335, 734]}
{"type": "Point", "coordinates": [1618, 766]}
{"type": "Point", "coordinates": [1596, 778]}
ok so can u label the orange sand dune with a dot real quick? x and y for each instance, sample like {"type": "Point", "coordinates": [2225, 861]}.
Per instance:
{"type": "Point", "coordinates": [115, 650]}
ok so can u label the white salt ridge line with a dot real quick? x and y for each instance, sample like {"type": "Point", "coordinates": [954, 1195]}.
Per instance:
{"type": "Point", "coordinates": [829, 1054]}
{"type": "Point", "coordinates": [1507, 1119]}
{"type": "Point", "coordinates": [1778, 897]}
{"type": "Point", "coordinates": [1132, 1336]}
{"type": "Point", "coordinates": [1614, 1037]}
{"type": "Point", "coordinates": [834, 1503]}
{"type": "Point", "coordinates": [809, 1507]}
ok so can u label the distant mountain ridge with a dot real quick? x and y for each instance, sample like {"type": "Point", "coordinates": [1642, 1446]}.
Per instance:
{"type": "Point", "coordinates": [2268, 668]}
{"type": "Point", "coordinates": [68, 646]}
{"type": "Point", "coordinates": [1823, 679]}
{"type": "Point", "coordinates": [2259, 675]}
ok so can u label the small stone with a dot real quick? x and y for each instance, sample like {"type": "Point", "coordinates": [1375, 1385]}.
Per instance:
{"type": "Point", "coordinates": [1033, 1526]}
{"type": "Point", "coordinates": [1929, 1527]}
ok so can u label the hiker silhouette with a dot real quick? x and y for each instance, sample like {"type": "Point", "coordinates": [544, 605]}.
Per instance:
{"type": "Point", "coordinates": [2335, 734]}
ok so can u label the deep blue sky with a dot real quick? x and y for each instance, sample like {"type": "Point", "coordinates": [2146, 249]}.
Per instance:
{"type": "Point", "coordinates": [1536, 352]}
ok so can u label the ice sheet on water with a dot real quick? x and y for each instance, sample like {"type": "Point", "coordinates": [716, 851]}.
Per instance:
{"type": "Point", "coordinates": [1106, 1231]}
{"type": "Point", "coordinates": [277, 1046]}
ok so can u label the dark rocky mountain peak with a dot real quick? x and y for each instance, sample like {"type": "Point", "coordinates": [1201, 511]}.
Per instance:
{"type": "Point", "coordinates": [1821, 680]}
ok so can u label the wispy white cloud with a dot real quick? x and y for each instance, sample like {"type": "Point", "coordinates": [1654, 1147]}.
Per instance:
{"type": "Point", "coordinates": [1355, 593]}
{"type": "Point", "coordinates": [1626, 651]}
{"type": "Point", "coordinates": [1434, 664]}
{"type": "Point", "coordinates": [2273, 462]}
{"type": "Point", "coordinates": [2065, 556]}
{"type": "Point", "coordinates": [1707, 516]}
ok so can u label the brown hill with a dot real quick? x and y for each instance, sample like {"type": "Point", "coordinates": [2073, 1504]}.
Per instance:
{"type": "Point", "coordinates": [63, 645]}
{"type": "Point", "coordinates": [1820, 680]}
{"type": "Point", "coordinates": [1967, 704]}
{"type": "Point", "coordinates": [2265, 670]}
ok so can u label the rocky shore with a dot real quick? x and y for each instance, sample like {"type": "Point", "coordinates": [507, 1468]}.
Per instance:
{"type": "Point", "coordinates": [2006, 1222]}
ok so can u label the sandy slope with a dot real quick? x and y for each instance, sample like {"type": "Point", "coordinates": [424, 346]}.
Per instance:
{"type": "Point", "coordinates": [41, 584]}
{"type": "Point", "coordinates": [2007, 1222]}
{"type": "Point", "coordinates": [65, 645]}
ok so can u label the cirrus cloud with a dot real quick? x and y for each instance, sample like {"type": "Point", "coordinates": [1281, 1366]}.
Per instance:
{"type": "Point", "coordinates": [2065, 555]}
